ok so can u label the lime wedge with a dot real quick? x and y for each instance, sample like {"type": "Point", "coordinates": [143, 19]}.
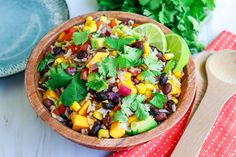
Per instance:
{"type": "Point", "coordinates": [154, 35]}
{"type": "Point", "coordinates": [178, 46]}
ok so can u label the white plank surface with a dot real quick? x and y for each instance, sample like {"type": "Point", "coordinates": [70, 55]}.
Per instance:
{"type": "Point", "coordinates": [23, 134]}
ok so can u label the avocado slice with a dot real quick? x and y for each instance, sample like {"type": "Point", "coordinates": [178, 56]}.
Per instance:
{"type": "Point", "coordinates": [97, 43]}
{"type": "Point", "coordinates": [142, 126]}
{"type": "Point", "coordinates": [93, 76]}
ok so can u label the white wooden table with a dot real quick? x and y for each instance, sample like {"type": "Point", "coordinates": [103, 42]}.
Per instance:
{"type": "Point", "coordinates": [23, 134]}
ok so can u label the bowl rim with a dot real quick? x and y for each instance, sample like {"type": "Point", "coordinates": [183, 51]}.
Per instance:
{"type": "Point", "coordinates": [35, 98]}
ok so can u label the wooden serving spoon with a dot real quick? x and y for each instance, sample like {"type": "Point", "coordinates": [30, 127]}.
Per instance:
{"type": "Point", "coordinates": [221, 75]}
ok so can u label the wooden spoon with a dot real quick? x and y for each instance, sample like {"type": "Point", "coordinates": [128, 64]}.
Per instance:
{"type": "Point", "coordinates": [221, 74]}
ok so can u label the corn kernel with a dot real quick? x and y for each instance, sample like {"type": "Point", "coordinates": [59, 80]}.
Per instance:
{"type": "Point", "coordinates": [111, 113]}
{"type": "Point", "coordinates": [146, 48]}
{"type": "Point", "coordinates": [103, 19]}
{"type": "Point", "coordinates": [93, 27]}
{"type": "Point", "coordinates": [141, 88]}
{"type": "Point", "coordinates": [156, 86]}
{"type": "Point", "coordinates": [97, 115]}
{"type": "Point", "coordinates": [85, 28]}
{"type": "Point", "coordinates": [175, 100]}
{"type": "Point", "coordinates": [75, 106]}
{"type": "Point", "coordinates": [76, 27]}
{"type": "Point", "coordinates": [178, 75]}
{"type": "Point", "coordinates": [114, 53]}
{"type": "Point", "coordinates": [149, 86]}
{"type": "Point", "coordinates": [133, 90]}
{"type": "Point", "coordinates": [60, 60]}
{"type": "Point", "coordinates": [103, 133]}
{"type": "Point", "coordinates": [132, 118]}
{"type": "Point", "coordinates": [168, 56]}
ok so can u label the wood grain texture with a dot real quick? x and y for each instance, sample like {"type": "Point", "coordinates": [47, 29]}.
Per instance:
{"type": "Point", "coordinates": [35, 98]}
{"type": "Point", "coordinates": [221, 77]}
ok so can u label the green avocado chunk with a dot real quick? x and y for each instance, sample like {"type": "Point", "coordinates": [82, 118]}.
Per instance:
{"type": "Point", "coordinates": [97, 43]}
{"type": "Point", "coordinates": [142, 126]}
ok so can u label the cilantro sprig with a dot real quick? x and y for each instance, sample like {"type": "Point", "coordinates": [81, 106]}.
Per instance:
{"type": "Point", "coordinates": [42, 65]}
{"type": "Point", "coordinates": [133, 103]}
{"type": "Point", "coordinates": [181, 16]}
{"type": "Point", "coordinates": [158, 100]}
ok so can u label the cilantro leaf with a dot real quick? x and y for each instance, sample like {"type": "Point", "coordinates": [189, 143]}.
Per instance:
{"type": "Point", "coordinates": [42, 65]}
{"type": "Point", "coordinates": [148, 76]}
{"type": "Point", "coordinates": [142, 111]}
{"type": "Point", "coordinates": [97, 85]}
{"type": "Point", "coordinates": [144, 2]}
{"type": "Point", "coordinates": [107, 67]}
{"type": "Point", "coordinates": [117, 43]}
{"type": "Point", "coordinates": [156, 66]}
{"type": "Point", "coordinates": [136, 102]}
{"type": "Point", "coordinates": [158, 100]}
{"type": "Point", "coordinates": [75, 91]}
{"type": "Point", "coordinates": [58, 77]}
{"type": "Point", "coordinates": [80, 37]}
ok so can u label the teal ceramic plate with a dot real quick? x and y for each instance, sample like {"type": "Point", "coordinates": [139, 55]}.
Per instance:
{"type": "Point", "coordinates": [22, 24]}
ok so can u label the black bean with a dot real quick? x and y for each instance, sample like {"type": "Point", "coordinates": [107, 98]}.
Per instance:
{"type": "Point", "coordinates": [167, 88]}
{"type": "Point", "coordinates": [110, 105]}
{"type": "Point", "coordinates": [169, 105]}
{"type": "Point", "coordinates": [163, 79]}
{"type": "Point", "coordinates": [161, 117]}
{"type": "Point", "coordinates": [99, 97]}
{"type": "Point", "coordinates": [153, 111]}
{"type": "Point", "coordinates": [106, 121]}
{"type": "Point", "coordinates": [138, 44]}
{"type": "Point", "coordinates": [47, 102]}
{"type": "Point", "coordinates": [82, 54]}
{"type": "Point", "coordinates": [57, 50]}
{"type": "Point", "coordinates": [95, 128]}
{"type": "Point", "coordinates": [114, 97]}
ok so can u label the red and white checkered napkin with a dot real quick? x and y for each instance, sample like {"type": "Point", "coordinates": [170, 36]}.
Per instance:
{"type": "Point", "coordinates": [222, 139]}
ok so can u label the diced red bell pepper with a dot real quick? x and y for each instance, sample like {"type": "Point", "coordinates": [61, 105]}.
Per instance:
{"type": "Point", "coordinates": [70, 30]}
{"type": "Point", "coordinates": [56, 112]}
{"type": "Point", "coordinates": [61, 109]}
{"type": "Point", "coordinates": [73, 48]}
{"type": "Point", "coordinates": [84, 74]}
{"type": "Point", "coordinates": [113, 23]}
{"type": "Point", "coordinates": [68, 34]}
{"type": "Point", "coordinates": [117, 107]}
{"type": "Point", "coordinates": [93, 68]}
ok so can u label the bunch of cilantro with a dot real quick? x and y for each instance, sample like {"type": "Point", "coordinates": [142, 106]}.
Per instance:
{"type": "Point", "coordinates": [181, 16]}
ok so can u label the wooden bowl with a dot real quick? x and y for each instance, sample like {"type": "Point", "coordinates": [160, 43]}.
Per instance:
{"type": "Point", "coordinates": [35, 97]}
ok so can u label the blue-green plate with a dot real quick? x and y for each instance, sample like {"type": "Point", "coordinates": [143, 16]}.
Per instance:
{"type": "Point", "coordinates": [22, 25]}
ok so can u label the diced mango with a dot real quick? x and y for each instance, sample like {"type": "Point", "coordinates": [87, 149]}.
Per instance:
{"type": "Point", "coordinates": [146, 48]}
{"type": "Point", "coordinates": [97, 115]}
{"type": "Point", "coordinates": [139, 77]}
{"type": "Point", "coordinates": [83, 110]}
{"type": "Point", "coordinates": [50, 94]}
{"type": "Point", "coordinates": [132, 118]}
{"type": "Point", "coordinates": [178, 75]}
{"type": "Point", "coordinates": [80, 122]}
{"type": "Point", "coordinates": [61, 36]}
{"type": "Point", "coordinates": [103, 133]}
{"type": "Point", "coordinates": [75, 106]}
{"type": "Point", "coordinates": [60, 60]}
{"type": "Point", "coordinates": [97, 58]}
{"type": "Point", "coordinates": [148, 94]}
{"type": "Point", "coordinates": [116, 131]}
{"type": "Point", "coordinates": [117, 32]}
{"type": "Point", "coordinates": [141, 88]}
{"type": "Point", "coordinates": [72, 116]}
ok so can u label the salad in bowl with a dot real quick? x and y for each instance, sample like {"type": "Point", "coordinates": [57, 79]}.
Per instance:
{"type": "Point", "coordinates": [113, 78]}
